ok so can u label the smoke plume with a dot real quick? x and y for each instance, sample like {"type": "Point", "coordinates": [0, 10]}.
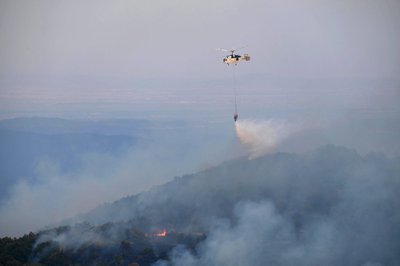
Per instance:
{"type": "Point", "coordinates": [330, 206]}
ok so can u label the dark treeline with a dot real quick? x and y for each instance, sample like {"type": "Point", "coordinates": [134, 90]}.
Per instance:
{"type": "Point", "coordinates": [108, 244]}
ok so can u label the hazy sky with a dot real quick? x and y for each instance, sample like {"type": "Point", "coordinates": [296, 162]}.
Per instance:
{"type": "Point", "coordinates": [174, 38]}
{"type": "Point", "coordinates": [134, 55]}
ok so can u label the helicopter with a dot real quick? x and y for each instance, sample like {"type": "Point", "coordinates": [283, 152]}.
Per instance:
{"type": "Point", "coordinates": [233, 58]}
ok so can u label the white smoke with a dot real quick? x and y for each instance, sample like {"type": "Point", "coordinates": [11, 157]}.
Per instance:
{"type": "Point", "coordinates": [262, 136]}
{"type": "Point", "coordinates": [58, 194]}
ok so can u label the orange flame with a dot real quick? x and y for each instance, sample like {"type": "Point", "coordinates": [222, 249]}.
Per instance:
{"type": "Point", "coordinates": [163, 233]}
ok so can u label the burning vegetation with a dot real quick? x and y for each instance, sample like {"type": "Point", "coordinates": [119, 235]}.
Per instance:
{"type": "Point", "coordinates": [162, 233]}
{"type": "Point", "coordinates": [108, 244]}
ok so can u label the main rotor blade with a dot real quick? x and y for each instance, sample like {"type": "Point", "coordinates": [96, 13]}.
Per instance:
{"type": "Point", "coordinates": [223, 50]}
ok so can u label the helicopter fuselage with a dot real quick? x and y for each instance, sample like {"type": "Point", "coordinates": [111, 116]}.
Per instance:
{"type": "Point", "coordinates": [235, 58]}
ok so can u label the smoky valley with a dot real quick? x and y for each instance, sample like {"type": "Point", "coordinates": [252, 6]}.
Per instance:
{"type": "Point", "coordinates": [329, 205]}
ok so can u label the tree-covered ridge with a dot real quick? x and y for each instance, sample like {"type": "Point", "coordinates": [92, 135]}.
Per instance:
{"type": "Point", "coordinates": [83, 244]}
{"type": "Point", "coordinates": [16, 251]}
{"type": "Point", "coordinates": [331, 206]}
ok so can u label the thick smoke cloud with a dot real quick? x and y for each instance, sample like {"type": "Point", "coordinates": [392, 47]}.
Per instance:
{"type": "Point", "coordinates": [258, 233]}
{"type": "Point", "coordinates": [330, 207]}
